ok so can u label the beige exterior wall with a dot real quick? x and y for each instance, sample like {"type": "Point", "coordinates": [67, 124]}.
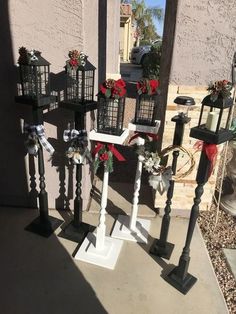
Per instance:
{"type": "Point", "coordinates": [204, 45]}
{"type": "Point", "coordinates": [126, 40]}
{"type": "Point", "coordinates": [113, 26]}
{"type": "Point", "coordinates": [53, 27]}
{"type": "Point", "coordinates": [205, 42]}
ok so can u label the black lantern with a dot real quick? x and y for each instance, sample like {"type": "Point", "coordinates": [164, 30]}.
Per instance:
{"type": "Point", "coordinates": [184, 104]}
{"type": "Point", "coordinates": [110, 115]}
{"type": "Point", "coordinates": [80, 84]}
{"type": "Point", "coordinates": [146, 109]}
{"type": "Point", "coordinates": [213, 124]}
{"type": "Point", "coordinates": [34, 79]}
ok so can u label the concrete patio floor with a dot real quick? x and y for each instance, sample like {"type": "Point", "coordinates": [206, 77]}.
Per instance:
{"type": "Point", "coordinates": [39, 276]}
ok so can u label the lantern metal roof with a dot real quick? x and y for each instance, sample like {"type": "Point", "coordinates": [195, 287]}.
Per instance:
{"type": "Point", "coordinates": [40, 61]}
{"type": "Point", "coordinates": [88, 66]}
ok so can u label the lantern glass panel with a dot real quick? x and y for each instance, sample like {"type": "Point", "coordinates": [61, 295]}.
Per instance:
{"type": "Point", "coordinates": [34, 86]}
{"type": "Point", "coordinates": [215, 115]}
{"type": "Point", "coordinates": [146, 109]}
{"type": "Point", "coordinates": [212, 119]}
{"type": "Point", "coordinates": [184, 104]}
{"type": "Point", "coordinates": [213, 125]}
{"type": "Point", "coordinates": [34, 81]}
{"type": "Point", "coordinates": [80, 84]}
{"type": "Point", "coordinates": [110, 115]}
{"type": "Point", "coordinates": [89, 84]}
{"type": "Point", "coordinates": [183, 110]}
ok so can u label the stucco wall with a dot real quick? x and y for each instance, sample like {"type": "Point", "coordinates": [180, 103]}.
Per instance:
{"type": "Point", "coordinates": [113, 38]}
{"type": "Point", "coordinates": [53, 27]}
{"type": "Point", "coordinates": [205, 41]}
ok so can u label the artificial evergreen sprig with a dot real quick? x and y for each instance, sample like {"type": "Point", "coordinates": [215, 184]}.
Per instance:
{"type": "Point", "coordinates": [105, 156]}
{"type": "Point", "coordinates": [220, 89]}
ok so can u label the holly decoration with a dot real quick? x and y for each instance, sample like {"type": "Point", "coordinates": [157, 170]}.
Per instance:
{"type": "Point", "coordinates": [76, 59]}
{"type": "Point", "coordinates": [146, 86]}
{"type": "Point", "coordinates": [27, 56]}
{"type": "Point", "coordinates": [113, 89]}
{"type": "Point", "coordinates": [220, 89]}
{"type": "Point", "coordinates": [105, 156]}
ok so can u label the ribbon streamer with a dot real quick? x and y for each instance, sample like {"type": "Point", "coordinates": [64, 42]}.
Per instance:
{"type": "Point", "coordinates": [143, 134]}
{"type": "Point", "coordinates": [211, 152]}
{"type": "Point", "coordinates": [37, 131]}
{"type": "Point", "coordinates": [111, 148]}
{"type": "Point", "coordinates": [161, 181]}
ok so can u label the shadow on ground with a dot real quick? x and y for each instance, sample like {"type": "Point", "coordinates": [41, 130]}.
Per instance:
{"type": "Point", "coordinates": [39, 274]}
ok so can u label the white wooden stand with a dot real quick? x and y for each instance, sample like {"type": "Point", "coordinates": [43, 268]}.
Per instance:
{"type": "Point", "coordinates": [133, 228]}
{"type": "Point", "coordinates": [97, 248]}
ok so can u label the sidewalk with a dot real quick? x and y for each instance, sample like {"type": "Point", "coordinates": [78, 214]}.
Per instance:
{"type": "Point", "coordinates": [131, 72]}
{"type": "Point", "coordinates": [39, 276]}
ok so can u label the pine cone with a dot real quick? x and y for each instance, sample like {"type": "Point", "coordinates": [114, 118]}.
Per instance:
{"type": "Point", "coordinates": [110, 83]}
{"type": "Point", "coordinates": [74, 54]}
{"type": "Point", "coordinates": [23, 58]}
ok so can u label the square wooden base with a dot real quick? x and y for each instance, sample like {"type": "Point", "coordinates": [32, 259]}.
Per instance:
{"type": "Point", "coordinates": [107, 257]}
{"type": "Point", "coordinates": [122, 231]}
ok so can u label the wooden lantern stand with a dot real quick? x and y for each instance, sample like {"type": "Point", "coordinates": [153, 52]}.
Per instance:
{"type": "Point", "coordinates": [35, 92]}
{"type": "Point", "coordinates": [44, 225]}
{"type": "Point", "coordinates": [97, 248]}
{"type": "Point", "coordinates": [179, 276]}
{"type": "Point", "coordinates": [211, 133]}
{"type": "Point", "coordinates": [76, 230]}
{"type": "Point", "coordinates": [161, 247]}
{"type": "Point", "coordinates": [133, 228]}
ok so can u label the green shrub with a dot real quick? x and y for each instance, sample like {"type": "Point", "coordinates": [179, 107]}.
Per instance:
{"type": "Point", "coordinates": [151, 63]}
{"type": "Point", "coordinates": [144, 42]}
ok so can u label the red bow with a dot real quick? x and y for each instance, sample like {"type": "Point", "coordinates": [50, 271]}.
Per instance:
{"type": "Point", "coordinates": [111, 148]}
{"type": "Point", "coordinates": [210, 150]}
{"type": "Point", "coordinates": [141, 134]}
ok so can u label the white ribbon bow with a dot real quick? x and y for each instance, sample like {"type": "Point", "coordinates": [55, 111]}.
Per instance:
{"type": "Point", "coordinates": [161, 182]}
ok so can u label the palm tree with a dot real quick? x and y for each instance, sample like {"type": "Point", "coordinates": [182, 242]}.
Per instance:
{"type": "Point", "coordinates": [143, 18]}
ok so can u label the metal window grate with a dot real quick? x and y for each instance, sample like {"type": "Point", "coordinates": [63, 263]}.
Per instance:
{"type": "Point", "coordinates": [34, 81]}
{"type": "Point", "coordinates": [146, 109]}
{"type": "Point", "coordinates": [80, 86]}
{"type": "Point", "coordinates": [110, 115]}
{"type": "Point", "coordinates": [34, 87]}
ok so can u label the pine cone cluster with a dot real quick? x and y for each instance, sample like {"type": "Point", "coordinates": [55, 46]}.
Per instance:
{"type": "Point", "coordinates": [23, 58]}
{"type": "Point", "coordinates": [73, 54]}
{"type": "Point", "coordinates": [110, 83]}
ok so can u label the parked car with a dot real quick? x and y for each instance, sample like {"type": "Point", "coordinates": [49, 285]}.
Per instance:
{"type": "Point", "coordinates": [138, 54]}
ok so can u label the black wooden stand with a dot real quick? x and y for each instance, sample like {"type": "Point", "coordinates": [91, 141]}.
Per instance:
{"type": "Point", "coordinates": [179, 276]}
{"type": "Point", "coordinates": [76, 230]}
{"type": "Point", "coordinates": [161, 247]}
{"type": "Point", "coordinates": [44, 225]}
